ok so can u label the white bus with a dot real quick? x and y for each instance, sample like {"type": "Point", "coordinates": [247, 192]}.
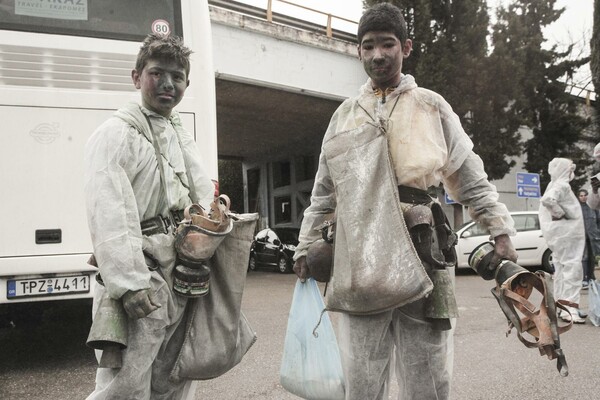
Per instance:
{"type": "Point", "coordinates": [65, 66]}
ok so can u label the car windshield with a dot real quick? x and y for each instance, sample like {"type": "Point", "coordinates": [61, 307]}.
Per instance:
{"type": "Point", "coordinates": [287, 236]}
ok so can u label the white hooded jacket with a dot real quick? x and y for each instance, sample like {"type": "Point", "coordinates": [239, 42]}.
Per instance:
{"type": "Point", "coordinates": [123, 188]}
{"type": "Point", "coordinates": [427, 145]}
{"type": "Point", "coordinates": [561, 219]}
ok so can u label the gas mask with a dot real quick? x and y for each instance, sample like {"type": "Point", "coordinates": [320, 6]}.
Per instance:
{"type": "Point", "coordinates": [196, 239]}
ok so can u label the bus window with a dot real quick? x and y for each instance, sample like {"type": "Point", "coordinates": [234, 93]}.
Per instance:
{"type": "Point", "coordinates": [128, 20]}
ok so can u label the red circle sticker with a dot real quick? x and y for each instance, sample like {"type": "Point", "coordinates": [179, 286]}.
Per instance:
{"type": "Point", "coordinates": [161, 27]}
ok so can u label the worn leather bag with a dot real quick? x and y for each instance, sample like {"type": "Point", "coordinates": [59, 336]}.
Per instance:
{"type": "Point", "coordinates": [217, 332]}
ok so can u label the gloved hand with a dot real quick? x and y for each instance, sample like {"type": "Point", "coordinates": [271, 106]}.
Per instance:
{"type": "Point", "coordinates": [503, 250]}
{"type": "Point", "coordinates": [139, 303]}
{"type": "Point", "coordinates": [301, 269]}
{"type": "Point", "coordinates": [319, 260]}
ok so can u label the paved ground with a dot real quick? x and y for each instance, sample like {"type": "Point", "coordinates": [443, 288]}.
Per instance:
{"type": "Point", "coordinates": [50, 360]}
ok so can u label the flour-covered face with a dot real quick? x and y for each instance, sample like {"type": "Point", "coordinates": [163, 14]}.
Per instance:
{"type": "Point", "coordinates": [162, 83]}
{"type": "Point", "coordinates": [382, 54]}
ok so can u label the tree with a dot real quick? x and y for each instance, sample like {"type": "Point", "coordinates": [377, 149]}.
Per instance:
{"type": "Point", "coordinates": [538, 84]}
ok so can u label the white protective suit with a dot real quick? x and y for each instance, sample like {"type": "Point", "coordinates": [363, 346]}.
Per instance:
{"type": "Point", "coordinates": [562, 225]}
{"type": "Point", "coordinates": [427, 146]}
{"type": "Point", "coordinates": [123, 188]}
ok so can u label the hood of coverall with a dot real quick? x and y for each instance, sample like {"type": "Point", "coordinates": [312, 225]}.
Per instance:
{"type": "Point", "coordinates": [561, 170]}
{"type": "Point", "coordinates": [561, 220]}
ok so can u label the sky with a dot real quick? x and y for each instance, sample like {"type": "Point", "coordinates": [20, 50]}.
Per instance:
{"type": "Point", "coordinates": [574, 26]}
{"type": "Point", "coordinates": [575, 20]}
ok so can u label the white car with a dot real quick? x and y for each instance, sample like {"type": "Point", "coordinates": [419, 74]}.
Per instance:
{"type": "Point", "coordinates": [529, 242]}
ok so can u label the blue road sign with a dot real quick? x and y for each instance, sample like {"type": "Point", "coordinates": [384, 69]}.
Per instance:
{"type": "Point", "coordinates": [528, 185]}
{"type": "Point", "coordinates": [447, 199]}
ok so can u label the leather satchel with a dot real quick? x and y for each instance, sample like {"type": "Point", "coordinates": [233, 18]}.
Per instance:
{"type": "Point", "coordinates": [217, 333]}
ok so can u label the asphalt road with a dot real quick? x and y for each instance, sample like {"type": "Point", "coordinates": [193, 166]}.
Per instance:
{"type": "Point", "coordinates": [50, 361]}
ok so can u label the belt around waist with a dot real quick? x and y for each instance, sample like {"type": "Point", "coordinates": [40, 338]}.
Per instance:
{"type": "Point", "coordinates": [160, 224]}
{"type": "Point", "coordinates": [413, 195]}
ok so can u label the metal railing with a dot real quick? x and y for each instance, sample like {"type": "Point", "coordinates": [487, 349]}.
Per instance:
{"type": "Point", "coordinates": [271, 16]}
{"type": "Point", "coordinates": [330, 17]}
{"type": "Point", "coordinates": [586, 92]}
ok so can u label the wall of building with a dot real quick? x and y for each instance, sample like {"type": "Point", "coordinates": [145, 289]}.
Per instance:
{"type": "Point", "coordinates": [251, 50]}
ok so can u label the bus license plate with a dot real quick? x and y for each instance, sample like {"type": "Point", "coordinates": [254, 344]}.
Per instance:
{"type": "Point", "coordinates": [47, 286]}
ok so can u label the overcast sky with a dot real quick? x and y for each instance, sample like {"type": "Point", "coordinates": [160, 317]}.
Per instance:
{"type": "Point", "coordinates": [576, 19]}
{"type": "Point", "coordinates": [574, 26]}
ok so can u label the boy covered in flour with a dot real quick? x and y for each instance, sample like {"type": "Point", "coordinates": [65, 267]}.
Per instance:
{"type": "Point", "coordinates": [124, 196]}
{"type": "Point", "coordinates": [357, 181]}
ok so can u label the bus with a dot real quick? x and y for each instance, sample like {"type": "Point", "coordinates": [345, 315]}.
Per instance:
{"type": "Point", "coordinates": [65, 67]}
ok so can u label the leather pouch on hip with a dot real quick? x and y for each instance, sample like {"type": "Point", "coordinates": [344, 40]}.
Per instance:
{"type": "Point", "coordinates": [434, 241]}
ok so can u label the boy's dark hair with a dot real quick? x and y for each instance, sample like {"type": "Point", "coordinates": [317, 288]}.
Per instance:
{"type": "Point", "coordinates": [383, 17]}
{"type": "Point", "coordinates": [582, 191]}
{"type": "Point", "coordinates": [160, 47]}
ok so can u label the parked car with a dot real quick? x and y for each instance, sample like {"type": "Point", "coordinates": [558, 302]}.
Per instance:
{"type": "Point", "coordinates": [274, 248]}
{"type": "Point", "coordinates": [529, 242]}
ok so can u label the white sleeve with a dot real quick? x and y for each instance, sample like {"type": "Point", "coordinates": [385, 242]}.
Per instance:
{"type": "Point", "coordinates": [113, 217]}
{"type": "Point", "coordinates": [551, 200]}
{"type": "Point", "coordinates": [322, 206]}
{"type": "Point", "coordinates": [322, 201]}
{"type": "Point", "coordinates": [469, 186]}
{"type": "Point", "coordinates": [466, 181]}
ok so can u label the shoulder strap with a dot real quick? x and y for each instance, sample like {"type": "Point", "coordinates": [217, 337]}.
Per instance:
{"type": "Point", "coordinates": [192, 187]}
{"type": "Point", "coordinates": [131, 115]}
{"type": "Point", "coordinates": [161, 168]}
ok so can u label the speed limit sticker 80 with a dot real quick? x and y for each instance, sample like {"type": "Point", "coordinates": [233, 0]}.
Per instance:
{"type": "Point", "coordinates": [161, 27]}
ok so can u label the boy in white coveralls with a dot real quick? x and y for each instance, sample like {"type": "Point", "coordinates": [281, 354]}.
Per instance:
{"type": "Point", "coordinates": [427, 145]}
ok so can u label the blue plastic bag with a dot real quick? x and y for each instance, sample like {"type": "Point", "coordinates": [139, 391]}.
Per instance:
{"type": "Point", "coordinates": [594, 300]}
{"type": "Point", "coordinates": [311, 366]}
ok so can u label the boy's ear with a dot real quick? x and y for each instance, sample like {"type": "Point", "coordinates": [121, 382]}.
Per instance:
{"type": "Point", "coordinates": [407, 48]}
{"type": "Point", "coordinates": [359, 54]}
{"type": "Point", "coordinates": [135, 77]}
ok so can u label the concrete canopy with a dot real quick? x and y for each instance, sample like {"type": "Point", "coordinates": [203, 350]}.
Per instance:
{"type": "Point", "coordinates": [257, 123]}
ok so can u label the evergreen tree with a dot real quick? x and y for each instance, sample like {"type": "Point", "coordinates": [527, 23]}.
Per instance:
{"type": "Point", "coordinates": [538, 84]}
{"type": "Point", "coordinates": [479, 97]}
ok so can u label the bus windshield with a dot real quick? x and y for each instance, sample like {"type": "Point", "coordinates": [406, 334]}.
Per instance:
{"type": "Point", "coordinates": [129, 20]}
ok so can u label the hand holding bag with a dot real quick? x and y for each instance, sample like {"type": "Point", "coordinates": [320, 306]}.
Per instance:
{"type": "Point", "coordinates": [311, 367]}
